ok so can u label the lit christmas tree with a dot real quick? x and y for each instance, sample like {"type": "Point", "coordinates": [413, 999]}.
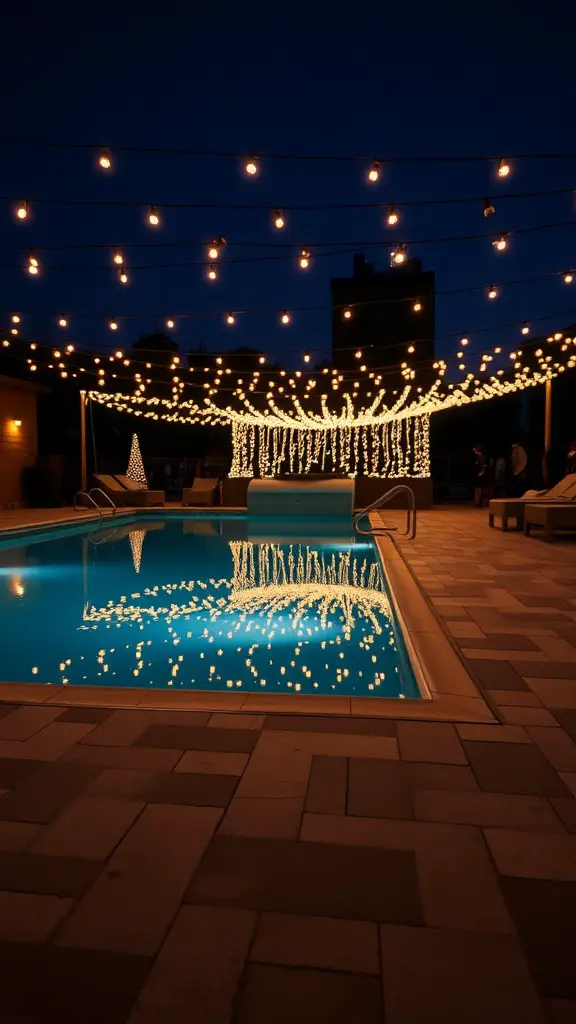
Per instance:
{"type": "Point", "coordinates": [136, 538]}
{"type": "Point", "coordinates": [135, 469]}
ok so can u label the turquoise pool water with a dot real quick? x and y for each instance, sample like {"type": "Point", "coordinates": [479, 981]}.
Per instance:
{"type": "Point", "coordinates": [207, 602]}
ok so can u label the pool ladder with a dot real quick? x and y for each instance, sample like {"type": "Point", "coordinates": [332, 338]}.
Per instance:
{"type": "Point", "coordinates": [409, 532]}
{"type": "Point", "coordinates": [88, 496]}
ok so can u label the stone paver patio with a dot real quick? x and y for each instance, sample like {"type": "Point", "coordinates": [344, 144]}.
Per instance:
{"type": "Point", "coordinates": [195, 866]}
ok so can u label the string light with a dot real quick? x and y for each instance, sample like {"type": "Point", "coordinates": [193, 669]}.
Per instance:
{"type": "Point", "coordinates": [347, 314]}
{"type": "Point", "coordinates": [251, 166]}
{"type": "Point", "coordinates": [22, 210]}
{"type": "Point", "coordinates": [230, 319]}
{"type": "Point", "coordinates": [504, 168]}
{"type": "Point", "coordinates": [399, 255]}
{"type": "Point", "coordinates": [392, 216]}
{"type": "Point", "coordinates": [417, 306]}
{"type": "Point", "coordinates": [463, 341]}
{"type": "Point", "coordinates": [118, 258]}
{"type": "Point", "coordinates": [33, 265]}
{"type": "Point", "coordinates": [358, 354]}
{"type": "Point", "coordinates": [153, 217]}
{"type": "Point", "coordinates": [374, 171]}
{"type": "Point", "coordinates": [62, 322]}
{"type": "Point", "coordinates": [212, 273]}
{"type": "Point", "coordinates": [15, 318]}
{"type": "Point", "coordinates": [525, 329]}
{"type": "Point", "coordinates": [500, 243]}
{"type": "Point", "coordinates": [113, 325]}
{"type": "Point", "coordinates": [489, 208]}
{"type": "Point", "coordinates": [262, 360]}
{"type": "Point", "coordinates": [306, 357]}
{"type": "Point", "coordinates": [279, 220]}
{"type": "Point", "coordinates": [568, 277]}
{"type": "Point", "coordinates": [304, 259]}
{"type": "Point", "coordinates": [411, 349]}
{"type": "Point", "coordinates": [105, 160]}
{"type": "Point", "coordinates": [123, 275]}
{"type": "Point", "coordinates": [493, 292]}
{"type": "Point", "coordinates": [214, 248]}
{"type": "Point", "coordinates": [285, 318]}
{"type": "Point", "coordinates": [170, 324]}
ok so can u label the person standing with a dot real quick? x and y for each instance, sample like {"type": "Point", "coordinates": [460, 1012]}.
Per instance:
{"type": "Point", "coordinates": [519, 470]}
{"type": "Point", "coordinates": [480, 474]}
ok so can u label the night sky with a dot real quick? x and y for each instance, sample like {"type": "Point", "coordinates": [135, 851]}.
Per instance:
{"type": "Point", "coordinates": [424, 90]}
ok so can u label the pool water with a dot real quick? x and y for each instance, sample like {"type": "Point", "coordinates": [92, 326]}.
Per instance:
{"type": "Point", "coordinates": [201, 602]}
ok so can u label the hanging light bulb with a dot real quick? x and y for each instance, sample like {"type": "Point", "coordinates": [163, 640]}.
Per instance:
{"type": "Point", "coordinates": [123, 275]}
{"type": "Point", "coordinates": [411, 349]}
{"type": "Point", "coordinates": [399, 256]}
{"type": "Point", "coordinates": [15, 319]}
{"type": "Point", "coordinates": [22, 210]}
{"type": "Point", "coordinates": [568, 277]}
{"type": "Point", "coordinates": [358, 354]}
{"type": "Point", "coordinates": [13, 330]}
{"type": "Point", "coordinates": [307, 357]}
{"type": "Point", "coordinates": [230, 319]}
{"type": "Point", "coordinates": [504, 168]}
{"type": "Point", "coordinates": [392, 217]}
{"type": "Point", "coordinates": [251, 166]}
{"type": "Point", "coordinates": [525, 329]}
{"type": "Point", "coordinates": [152, 217]}
{"type": "Point", "coordinates": [489, 208]}
{"type": "Point", "coordinates": [500, 243]}
{"type": "Point", "coordinates": [493, 292]}
{"type": "Point", "coordinates": [416, 308]}
{"type": "Point", "coordinates": [169, 324]}
{"type": "Point", "coordinates": [212, 273]}
{"type": "Point", "coordinates": [261, 360]}
{"type": "Point", "coordinates": [285, 318]}
{"type": "Point", "coordinates": [304, 259]}
{"type": "Point", "coordinates": [279, 219]}
{"type": "Point", "coordinates": [374, 172]}
{"type": "Point", "coordinates": [118, 258]}
{"type": "Point", "coordinates": [62, 322]}
{"type": "Point", "coordinates": [113, 325]}
{"type": "Point", "coordinates": [105, 160]}
{"type": "Point", "coordinates": [463, 341]}
{"type": "Point", "coordinates": [347, 314]}
{"type": "Point", "coordinates": [33, 265]}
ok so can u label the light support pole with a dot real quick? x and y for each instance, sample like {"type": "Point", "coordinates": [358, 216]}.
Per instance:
{"type": "Point", "coordinates": [548, 416]}
{"type": "Point", "coordinates": [83, 472]}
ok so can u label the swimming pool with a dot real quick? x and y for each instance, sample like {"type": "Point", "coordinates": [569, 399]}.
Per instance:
{"type": "Point", "coordinates": [201, 602]}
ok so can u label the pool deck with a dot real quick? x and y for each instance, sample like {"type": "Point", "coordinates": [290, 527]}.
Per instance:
{"type": "Point", "coordinates": [201, 865]}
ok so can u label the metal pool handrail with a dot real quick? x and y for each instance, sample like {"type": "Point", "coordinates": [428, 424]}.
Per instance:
{"type": "Point", "coordinates": [98, 490]}
{"type": "Point", "coordinates": [88, 497]}
{"type": "Point", "coordinates": [410, 530]}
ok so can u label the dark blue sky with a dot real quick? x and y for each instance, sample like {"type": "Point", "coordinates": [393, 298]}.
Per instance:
{"type": "Point", "coordinates": [422, 88]}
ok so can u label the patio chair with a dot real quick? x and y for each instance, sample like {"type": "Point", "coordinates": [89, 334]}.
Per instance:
{"type": "Point", "coordinates": [124, 496]}
{"type": "Point", "coordinates": [549, 518]}
{"type": "Point", "coordinates": [204, 491]}
{"type": "Point", "coordinates": [513, 508]}
{"type": "Point", "coordinates": [140, 495]}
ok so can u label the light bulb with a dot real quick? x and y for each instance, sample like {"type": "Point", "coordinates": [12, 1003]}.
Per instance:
{"type": "Point", "coordinates": [504, 169]}
{"type": "Point", "coordinates": [118, 258]}
{"type": "Point", "coordinates": [399, 256]}
{"type": "Point", "coordinates": [279, 221]}
{"type": "Point", "coordinates": [525, 329]}
{"type": "Point", "coordinates": [493, 293]}
{"type": "Point", "coordinates": [306, 357]}
{"type": "Point", "coordinates": [62, 322]}
{"type": "Point", "coordinates": [15, 319]}
{"type": "Point", "coordinates": [358, 354]}
{"type": "Point", "coordinates": [212, 273]}
{"type": "Point", "coordinates": [262, 360]}
{"type": "Point", "coordinates": [169, 324]}
{"type": "Point", "coordinates": [153, 218]}
{"type": "Point", "coordinates": [213, 251]}
{"type": "Point", "coordinates": [347, 313]}
{"type": "Point", "coordinates": [568, 277]}
{"type": "Point", "coordinates": [230, 319]}
{"type": "Point", "coordinates": [417, 306]}
{"type": "Point", "coordinates": [304, 259]}
{"type": "Point", "coordinates": [463, 341]}
{"type": "Point", "coordinates": [22, 210]}
{"type": "Point", "coordinates": [392, 217]}
{"type": "Point", "coordinates": [411, 349]}
{"type": "Point", "coordinates": [374, 172]}
{"type": "Point", "coordinates": [14, 330]}
{"type": "Point", "coordinates": [500, 243]}
{"type": "Point", "coordinates": [32, 264]}
{"type": "Point", "coordinates": [113, 325]}
{"type": "Point", "coordinates": [118, 353]}
{"type": "Point", "coordinates": [123, 276]}
{"type": "Point", "coordinates": [285, 318]}
{"type": "Point", "coordinates": [489, 208]}
{"type": "Point", "coordinates": [251, 166]}
{"type": "Point", "coordinates": [105, 160]}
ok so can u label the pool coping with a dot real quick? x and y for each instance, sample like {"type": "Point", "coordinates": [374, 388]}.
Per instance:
{"type": "Point", "coordinates": [449, 693]}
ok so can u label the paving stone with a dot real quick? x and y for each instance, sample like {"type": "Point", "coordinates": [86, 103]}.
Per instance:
{"type": "Point", "coordinates": [501, 642]}
{"type": "Point", "coordinates": [450, 976]}
{"type": "Point", "coordinates": [123, 782]}
{"type": "Point", "coordinates": [50, 743]}
{"type": "Point", "coordinates": [124, 727]}
{"type": "Point", "coordinates": [198, 969]}
{"type": "Point", "coordinates": [378, 788]}
{"type": "Point", "coordinates": [263, 817]}
{"type": "Point", "coordinates": [533, 855]}
{"type": "Point", "coordinates": [26, 917]}
{"type": "Point", "coordinates": [486, 809]}
{"type": "Point", "coordinates": [430, 741]}
{"type": "Point", "coordinates": [546, 669]}
{"type": "Point", "coordinates": [544, 913]}
{"type": "Point", "coordinates": [569, 780]}
{"type": "Point", "coordinates": [17, 835]}
{"type": "Point", "coordinates": [22, 871]}
{"type": "Point", "coordinates": [497, 675]}
{"type": "Point", "coordinates": [447, 858]}
{"type": "Point", "coordinates": [324, 942]}
{"type": "Point", "coordinates": [7, 709]}
{"type": "Point", "coordinates": [207, 762]}
{"type": "Point", "coordinates": [13, 771]}
{"type": "Point", "coordinates": [186, 788]}
{"type": "Point", "coordinates": [243, 720]}
{"type": "Point", "coordinates": [565, 808]}
{"type": "Point", "coordinates": [567, 719]}
{"type": "Point", "coordinates": [92, 715]}
{"type": "Point", "coordinates": [44, 794]}
{"type": "Point", "coordinates": [556, 745]}
{"type": "Point", "coordinates": [554, 693]}
{"type": "Point", "coordinates": [317, 879]}
{"type": "Point", "coordinates": [49, 983]}
{"type": "Point", "coordinates": [184, 737]}
{"type": "Point", "coordinates": [26, 721]}
{"type": "Point", "coordinates": [513, 768]}
{"type": "Point", "coordinates": [527, 716]}
{"type": "Point", "coordinates": [285, 995]}
{"type": "Point", "coordinates": [89, 827]}
{"type": "Point", "coordinates": [124, 757]}
{"type": "Point", "coordinates": [327, 785]}
{"type": "Point", "coordinates": [439, 776]}
{"type": "Point", "coordinates": [134, 899]}
{"type": "Point", "coordinates": [493, 733]}
{"type": "Point", "coordinates": [331, 723]}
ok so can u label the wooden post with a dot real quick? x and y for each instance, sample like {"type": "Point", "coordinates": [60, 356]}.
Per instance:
{"type": "Point", "coordinates": [83, 472]}
{"type": "Point", "coordinates": [548, 416]}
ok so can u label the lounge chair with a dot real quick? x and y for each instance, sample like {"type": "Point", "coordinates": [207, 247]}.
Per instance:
{"type": "Point", "coordinates": [204, 491]}
{"type": "Point", "coordinates": [144, 495]}
{"type": "Point", "coordinates": [123, 496]}
{"type": "Point", "coordinates": [550, 518]}
{"type": "Point", "coordinates": [513, 508]}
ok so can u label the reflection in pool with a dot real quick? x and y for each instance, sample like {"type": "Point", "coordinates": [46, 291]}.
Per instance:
{"type": "Point", "coordinates": [201, 603]}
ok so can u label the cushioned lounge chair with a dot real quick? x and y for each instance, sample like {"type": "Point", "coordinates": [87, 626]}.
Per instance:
{"type": "Point", "coordinates": [204, 491]}
{"type": "Point", "coordinates": [143, 495]}
{"type": "Point", "coordinates": [550, 518]}
{"type": "Point", "coordinates": [513, 508]}
{"type": "Point", "coordinates": [123, 496]}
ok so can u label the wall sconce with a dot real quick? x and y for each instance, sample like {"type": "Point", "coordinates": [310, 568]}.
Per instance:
{"type": "Point", "coordinates": [17, 423]}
